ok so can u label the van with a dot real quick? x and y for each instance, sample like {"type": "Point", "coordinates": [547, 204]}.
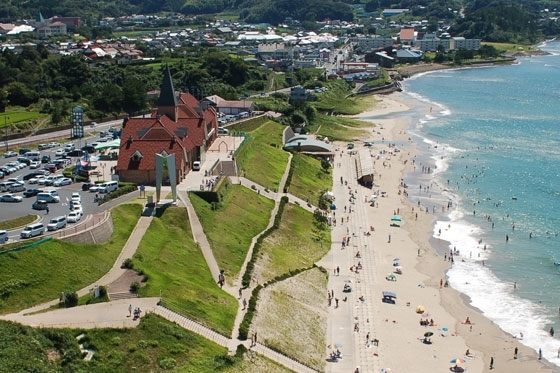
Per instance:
{"type": "Point", "coordinates": [5, 185]}
{"type": "Point", "coordinates": [56, 223]}
{"type": "Point", "coordinates": [3, 236]}
{"type": "Point", "coordinates": [32, 230]}
{"type": "Point", "coordinates": [47, 198]}
{"type": "Point", "coordinates": [196, 166]}
{"type": "Point", "coordinates": [34, 156]}
{"type": "Point", "coordinates": [69, 147]}
{"type": "Point", "coordinates": [16, 187]}
{"type": "Point", "coordinates": [108, 187]}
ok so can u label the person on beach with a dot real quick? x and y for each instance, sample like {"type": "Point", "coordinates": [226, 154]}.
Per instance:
{"type": "Point", "coordinates": [491, 362]}
{"type": "Point", "coordinates": [515, 353]}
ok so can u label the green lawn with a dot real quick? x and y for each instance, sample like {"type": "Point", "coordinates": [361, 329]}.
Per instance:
{"type": "Point", "coordinates": [38, 274]}
{"type": "Point", "coordinates": [297, 243]}
{"type": "Point", "coordinates": [14, 117]}
{"type": "Point", "coordinates": [309, 181]}
{"type": "Point", "coordinates": [17, 222]}
{"type": "Point", "coordinates": [261, 157]}
{"type": "Point", "coordinates": [230, 229]}
{"type": "Point", "coordinates": [175, 267]}
{"type": "Point", "coordinates": [335, 98]}
{"type": "Point", "coordinates": [156, 345]}
{"type": "Point", "coordinates": [339, 128]}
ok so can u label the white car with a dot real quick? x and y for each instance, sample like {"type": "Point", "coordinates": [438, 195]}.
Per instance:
{"type": "Point", "coordinates": [10, 154]}
{"type": "Point", "coordinates": [63, 181]}
{"type": "Point", "coordinates": [75, 205]}
{"type": "Point", "coordinates": [78, 210]}
{"type": "Point", "coordinates": [60, 152]}
{"type": "Point", "coordinates": [54, 144]}
{"type": "Point", "coordinates": [73, 217]}
{"type": "Point", "coordinates": [76, 197]}
{"type": "Point", "coordinates": [34, 165]}
{"type": "Point", "coordinates": [36, 179]}
{"type": "Point", "coordinates": [10, 198]}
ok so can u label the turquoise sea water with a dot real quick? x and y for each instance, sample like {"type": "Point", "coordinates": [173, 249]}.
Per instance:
{"type": "Point", "coordinates": [492, 140]}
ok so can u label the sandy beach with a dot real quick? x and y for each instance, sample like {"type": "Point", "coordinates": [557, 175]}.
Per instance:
{"type": "Point", "coordinates": [373, 335]}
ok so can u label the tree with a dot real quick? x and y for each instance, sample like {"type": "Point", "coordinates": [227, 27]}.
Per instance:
{"type": "Point", "coordinates": [134, 95]}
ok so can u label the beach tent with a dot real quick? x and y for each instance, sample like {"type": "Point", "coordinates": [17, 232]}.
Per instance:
{"type": "Point", "coordinates": [396, 221]}
{"type": "Point", "coordinates": [109, 145]}
{"type": "Point", "coordinates": [329, 196]}
{"type": "Point", "coordinates": [396, 218]}
{"type": "Point", "coordinates": [420, 309]}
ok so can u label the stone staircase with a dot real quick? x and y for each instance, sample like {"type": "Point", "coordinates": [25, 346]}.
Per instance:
{"type": "Point", "coordinates": [122, 295]}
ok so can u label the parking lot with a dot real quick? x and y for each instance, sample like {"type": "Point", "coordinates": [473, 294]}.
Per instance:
{"type": "Point", "coordinates": [12, 210]}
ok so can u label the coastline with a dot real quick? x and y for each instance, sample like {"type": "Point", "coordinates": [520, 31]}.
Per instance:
{"type": "Point", "coordinates": [423, 273]}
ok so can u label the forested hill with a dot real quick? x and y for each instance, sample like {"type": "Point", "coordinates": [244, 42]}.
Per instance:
{"type": "Point", "coordinates": [490, 20]}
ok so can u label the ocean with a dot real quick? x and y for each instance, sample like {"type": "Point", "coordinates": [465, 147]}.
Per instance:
{"type": "Point", "coordinates": [491, 139]}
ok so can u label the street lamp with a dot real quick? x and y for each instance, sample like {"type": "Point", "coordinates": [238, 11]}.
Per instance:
{"type": "Point", "coordinates": [6, 129]}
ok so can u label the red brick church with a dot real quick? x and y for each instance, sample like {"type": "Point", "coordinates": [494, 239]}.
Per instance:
{"type": "Point", "coordinates": [180, 125]}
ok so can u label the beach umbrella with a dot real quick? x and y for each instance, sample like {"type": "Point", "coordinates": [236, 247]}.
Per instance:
{"type": "Point", "coordinates": [458, 361]}
{"type": "Point", "coordinates": [444, 329]}
{"type": "Point", "coordinates": [420, 309]}
{"type": "Point", "coordinates": [396, 218]}
{"type": "Point", "coordinates": [429, 334]}
{"type": "Point", "coordinates": [395, 259]}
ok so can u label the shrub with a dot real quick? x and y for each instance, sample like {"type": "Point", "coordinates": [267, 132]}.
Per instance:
{"type": "Point", "coordinates": [70, 299]}
{"type": "Point", "coordinates": [134, 287]}
{"type": "Point", "coordinates": [127, 263]}
{"type": "Point", "coordinates": [167, 363]}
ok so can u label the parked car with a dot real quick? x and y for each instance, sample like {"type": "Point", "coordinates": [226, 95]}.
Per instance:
{"type": "Point", "coordinates": [42, 146]}
{"type": "Point", "coordinates": [86, 186]}
{"type": "Point", "coordinates": [31, 192]}
{"type": "Point", "coordinates": [60, 152]}
{"type": "Point", "coordinates": [22, 151]}
{"type": "Point", "coordinates": [37, 179]}
{"type": "Point", "coordinates": [75, 153]}
{"type": "Point", "coordinates": [54, 144]}
{"type": "Point", "coordinates": [34, 165]}
{"type": "Point", "coordinates": [76, 197]}
{"type": "Point", "coordinates": [63, 181]}
{"type": "Point", "coordinates": [33, 174]}
{"type": "Point", "coordinates": [88, 148]}
{"type": "Point", "coordinates": [46, 159]}
{"type": "Point", "coordinates": [10, 198]}
{"type": "Point", "coordinates": [10, 154]}
{"type": "Point", "coordinates": [73, 217]}
{"type": "Point", "coordinates": [75, 205]}
{"type": "Point", "coordinates": [3, 236]}
{"type": "Point", "coordinates": [16, 187]}
{"type": "Point", "coordinates": [57, 223]}
{"type": "Point", "coordinates": [40, 205]}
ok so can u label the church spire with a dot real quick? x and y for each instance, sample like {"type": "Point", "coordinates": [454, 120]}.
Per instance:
{"type": "Point", "coordinates": [167, 101]}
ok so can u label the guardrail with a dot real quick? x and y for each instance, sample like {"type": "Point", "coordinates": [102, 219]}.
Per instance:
{"type": "Point", "coordinates": [88, 224]}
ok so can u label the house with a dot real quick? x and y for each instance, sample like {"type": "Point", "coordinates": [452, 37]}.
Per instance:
{"type": "Point", "coordinates": [407, 36]}
{"type": "Point", "coordinates": [409, 55]}
{"type": "Point", "coordinates": [179, 125]}
{"type": "Point", "coordinates": [230, 107]}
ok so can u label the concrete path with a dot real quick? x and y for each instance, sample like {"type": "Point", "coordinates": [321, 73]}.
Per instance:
{"type": "Point", "coordinates": [112, 314]}
{"type": "Point", "coordinates": [341, 321]}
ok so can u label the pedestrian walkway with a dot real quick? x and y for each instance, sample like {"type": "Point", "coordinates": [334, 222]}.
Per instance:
{"type": "Point", "coordinates": [350, 322]}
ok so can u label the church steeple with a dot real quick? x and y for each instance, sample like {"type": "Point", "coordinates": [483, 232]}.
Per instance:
{"type": "Point", "coordinates": [167, 101]}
